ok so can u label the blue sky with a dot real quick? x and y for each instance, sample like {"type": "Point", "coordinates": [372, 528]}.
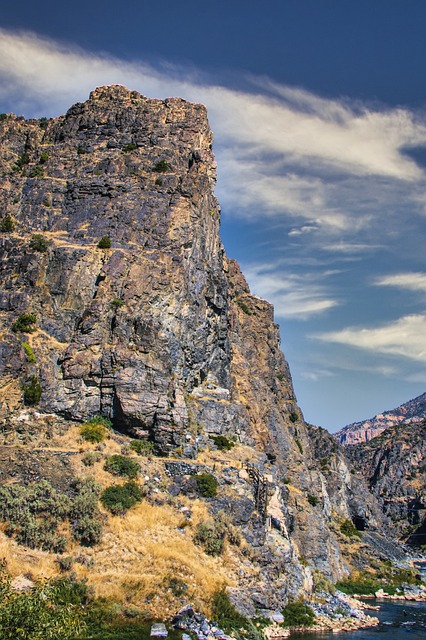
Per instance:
{"type": "Point", "coordinates": [319, 114]}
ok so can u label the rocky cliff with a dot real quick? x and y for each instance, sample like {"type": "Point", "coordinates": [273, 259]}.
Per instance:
{"type": "Point", "coordinates": [357, 432]}
{"type": "Point", "coordinates": [394, 465]}
{"type": "Point", "coordinates": [117, 300]}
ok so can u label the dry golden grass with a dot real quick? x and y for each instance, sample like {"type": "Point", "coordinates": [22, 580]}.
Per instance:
{"type": "Point", "coordinates": [141, 552]}
{"type": "Point", "coordinates": [21, 561]}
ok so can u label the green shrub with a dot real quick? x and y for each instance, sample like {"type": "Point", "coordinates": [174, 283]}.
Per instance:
{"type": "Point", "coordinates": [87, 530]}
{"type": "Point", "coordinates": [313, 500]}
{"type": "Point", "coordinates": [299, 444]}
{"type": "Point", "coordinates": [105, 243]}
{"type": "Point", "coordinates": [25, 323]}
{"type": "Point", "coordinates": [32, 391]}
{"type": "Point", "coordinates": [122, 466]}
{"type": "Point", "coordinates": [33, 513]}
{"type": "Point", "coordinates": [244, 307]}
{"type": "Point", "coordinates": [7, 224]}
{"type": "Point", "coordinates": [159, 182]}
{"type": "Point", "coordinates": [206, 485]}
{"type": "Point", "coordinates": [65, 563]}
{"type": "Point", "coordinates": [93, 433]}
{"type": "Point", "coordinates": [367, 587]}
{"type": "Point", "coordinates": [36, 172]}
{"type": "Point", "coordinates": [117, 303]}
{"type": "Point", "coordinates": [43, 157]}
{"type": "Point", "coordinates": [81, 151]}
{"type": "Point", "coordinates": [43, 122]}
{"type": "Point", "coordinates": [3, 116]}
{"type": "Point", "coordinates": [223, 443]}
{"type": "Point", "coordinates": [90, 457]}
{"type": "Point", "coordinates": [211, 537]}
{"type": "Point", "coordinates": [232, 622]}
{"type": "Point", "coordinates": [119, 498]}
{"type": "Point", "coordinates": [298, 614]}
{"type": "Point", "coordinates": [105, 422]}
{"type": "Point", "coordinates": [29, 352]}
{"type": "Point", "coordinates": [39, 243]}
{"type": "Point", "coordinates": [142, 447]}
{"type": "Point", "coordinates": [23, 159]}
{"type": "Point", "coordinates": [43, 612]}
{"type": "Point", "coordinates": [348, 529]}
{"type": "Point", "coordinates": [95, 430]}
{"type": "Point", "coordinates": [130, 147]}
{"type": "Point", "coordinates": [161, 167]}
{"type": "Point", "coordinates": [294, 416]}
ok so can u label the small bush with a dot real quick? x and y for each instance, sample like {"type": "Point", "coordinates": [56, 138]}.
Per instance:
{"type": "Point", "coordinates": [313, 500]}
{"type": "Point", "coordinates": [43, 122]}
{"type": "Point", "coordinates": [122, 466]}
{"type": "Point", "coordinates": [81, 151]}
{"type": "Point", "coordinates": [23, 159]}
{"type": "Point", "coordinates": [223, 443]}
{"type": "Point", "coordinates": [232, 622]}
{"type": "Point", "coordinates": [7, 224]}
{"type": "Point", "coordinates": [105, 422]}
{"type": "Point", "coordinates": [36, 172]}
{"type": "Point", "coordinates": [93, 433]}
{"type": "Point", "coordinates": [29, 352]}
{"type": "Point", "coordinates": [43, 157]}
{"type": "Point", "coordinates": [130, 147]}
{"type": "Point", "coordinates": [87, 530]}
{"type": "Point", "coordinates": [210, 537]}
{"type": "Point", "coordinates": [244, 307]}
{"type": "Point", "coordinates": [159, 182]}
{"type": "Point", "coordinates": [65, 563]}
{"type": "Point", "coordinates": [206, 485]}
{"type": "Point", "coordinates": [294, 416]}
{"type": "Point", "coordinates": [142, 447]}
{"type": "Point", "coordinates": [39, 243]}
{"type": "Point", "coordinates": [161, 167]}
{"type": "Point", "coordinates": [32, 391]}
{"type": "Point", "coordinates": [3, 116]}
{"type": "Point", "coordinates": [90, 457]}
{"type": "Point", "coordinates": [299, 444]}
{"type": "Point", "coordinates": [105, 243]}
{"type": "Point", "coordinates": [298, 614]}
{"type": "Point", "coordinates": [117, 303]}
{"type": "Point", "coordinates": [25, 323]}
{"type": "Point", "coordinates": [119, 498]}
{"type": "Point", "coordinates": [348, 529]}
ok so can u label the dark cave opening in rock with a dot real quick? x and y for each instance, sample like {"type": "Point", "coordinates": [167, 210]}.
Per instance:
{"type": "Point", "coordinates": [359, 523]}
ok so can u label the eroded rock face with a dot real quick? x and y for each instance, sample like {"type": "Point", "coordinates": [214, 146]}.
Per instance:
{"type": "Point", "coordinates": [126, 332]}
{"type": "Point", "coordinates": [394, 464]}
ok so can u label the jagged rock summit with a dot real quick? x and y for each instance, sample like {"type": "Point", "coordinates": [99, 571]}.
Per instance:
{"type": "Point", "coordinates": [117, 299]}
{"type": "Point", "coordinates": [358, 432]}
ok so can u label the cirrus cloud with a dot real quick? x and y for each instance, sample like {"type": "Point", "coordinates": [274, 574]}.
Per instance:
{"type": "Point", "coordinates": [405, 337]}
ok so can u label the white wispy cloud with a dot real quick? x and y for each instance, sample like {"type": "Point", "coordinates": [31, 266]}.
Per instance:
{"type": "Point", "coordinates": [404, 337]}
{"type": "Point", "coordinates": [279, 148]}
{"type": "Point", "coordinates": [293, 295]}
{"type": "Point", "coordinates": [414, 281]}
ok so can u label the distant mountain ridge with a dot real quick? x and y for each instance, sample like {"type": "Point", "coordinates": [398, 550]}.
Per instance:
{"type": "Point", "coordinates": [359, 432]}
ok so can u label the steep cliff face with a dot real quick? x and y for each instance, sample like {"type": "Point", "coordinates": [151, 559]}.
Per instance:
{"type": "Point", "coordinates": [125, 332]}
{"type": "Point", "coordinates": [394, 465]}
{"type": "Point", "coordinates": [357, 432]}
{"type": "Point", "coordinates": [159, 332]}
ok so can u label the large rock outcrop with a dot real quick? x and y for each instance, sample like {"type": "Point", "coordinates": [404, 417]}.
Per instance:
{"type": "Point", "coordinates": [158, 332]}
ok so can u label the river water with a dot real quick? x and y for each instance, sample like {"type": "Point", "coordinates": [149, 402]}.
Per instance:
{"type": "Point", "coordinates": [398, 621]}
